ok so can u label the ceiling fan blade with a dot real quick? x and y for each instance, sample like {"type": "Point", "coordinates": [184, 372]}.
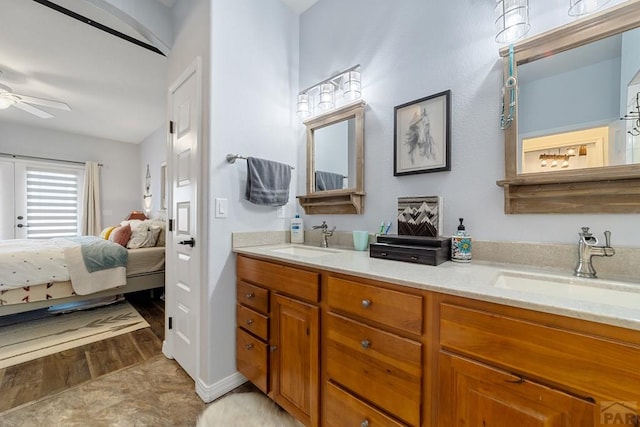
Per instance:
{"type": "Point", "coordinates": [44, 102]}
{"type": "Point", "coordinates": [33, 110]}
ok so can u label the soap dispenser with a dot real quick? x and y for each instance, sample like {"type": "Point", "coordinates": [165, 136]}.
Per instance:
{"type": "Point", "coordinates": [461, 244]}
{"type": "Point", "coordinates": [297, 230]}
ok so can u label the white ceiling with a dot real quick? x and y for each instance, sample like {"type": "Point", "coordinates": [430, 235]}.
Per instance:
{"type": "Point", "coordinates": [116, 90]}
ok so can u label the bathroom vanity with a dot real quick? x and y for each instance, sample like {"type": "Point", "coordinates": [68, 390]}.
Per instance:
{"type": "Point", "coordinates": [338, 338]}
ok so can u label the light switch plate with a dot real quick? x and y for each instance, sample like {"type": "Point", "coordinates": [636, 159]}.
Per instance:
{"type": "Point", "coordinates": [222, 208]}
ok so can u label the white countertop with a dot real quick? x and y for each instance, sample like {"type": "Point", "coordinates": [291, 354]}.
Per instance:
{"type": "Point", "coordinates": [476, 280]}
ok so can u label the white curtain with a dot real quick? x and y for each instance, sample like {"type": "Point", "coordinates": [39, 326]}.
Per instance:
{"type": "Point", "coordinates": [91, 220]}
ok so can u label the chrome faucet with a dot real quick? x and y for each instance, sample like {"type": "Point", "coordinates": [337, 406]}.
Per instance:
{"type": "Point", "coordinates": [587, 248]}
{"type": "Point", "coordinates": [324, 229]}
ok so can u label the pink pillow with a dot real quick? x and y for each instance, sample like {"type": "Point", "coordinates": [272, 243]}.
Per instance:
{"type": "Point", "coordinates": [121, 235]}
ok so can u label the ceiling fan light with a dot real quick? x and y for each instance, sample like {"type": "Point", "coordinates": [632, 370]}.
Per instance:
{"type": "Point", "coordinates": [7, 101]}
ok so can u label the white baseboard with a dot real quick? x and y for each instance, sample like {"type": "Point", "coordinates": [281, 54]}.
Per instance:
{"type": "Point", "coordinates": [165, 350]}
{"type": "Point", "coordinates": [209, 393]}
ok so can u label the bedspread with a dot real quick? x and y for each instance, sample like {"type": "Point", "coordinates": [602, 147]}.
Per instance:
{"type": "Point", "coordinates": [33, 262]}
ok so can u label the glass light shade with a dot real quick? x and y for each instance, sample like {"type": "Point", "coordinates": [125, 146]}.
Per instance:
{"type": "Point", "coordinates": [304, 105]}
{"type": "Point", "coordinates": [582, 7]}
{"type": "Point", "coordinates": [571, 151]}
{"type": "Point", "coordinates": [7, 101]}
{"type": "Point", "coordinates": [512, 20]}
{"type": "Point", "coordinates": [565, 164]}
{"type": "Point", "coordinates": [352, 85]}
{"type": "Point", "coordinates": [327, 95]}
{"type": "Point", "coordinates": [543, 163]}
{"type": "Point", "coordinates": [554, 163]}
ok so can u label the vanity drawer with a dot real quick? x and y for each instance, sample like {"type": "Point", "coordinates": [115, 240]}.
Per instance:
{"type": "Point", "coordinates": [252, 321]}
{"type": "Point", "coordinates": [253, 296]}
{"type": "Point", "coordinates": [384, 368]}
{"type": "Point", "coordinates": [588, 366]}
{"type": "Point", "coordinates": [287, 280]}
{"type": "Point", "coordinates": [392, 308]}
{"type": "Point", "coordinates": [343, 409]}
{"type": "Point", "coordinates": [252, 358]}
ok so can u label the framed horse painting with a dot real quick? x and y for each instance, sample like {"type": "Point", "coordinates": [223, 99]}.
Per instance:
{"type": "Point", "coordinates": [421, 135]}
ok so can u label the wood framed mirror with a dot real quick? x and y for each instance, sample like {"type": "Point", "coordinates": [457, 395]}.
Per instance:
{"type": "Point", "coordinates": [609, 182]}
{"type": "Point", "coordinates": [335, 162]}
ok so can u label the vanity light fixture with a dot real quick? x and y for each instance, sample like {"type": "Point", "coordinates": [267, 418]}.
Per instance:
{"type": "Point", "coordinates": [345, 86]}
{"type": "Point", "coordinates": [583, 7]}
{"type": "Point", "coordinates": [304, 105]}
{"type": "Point", "coordinates": [512, 20]}
{"type": "Point", "coordinates": [555, 158]}
{"type": "Point", "coordinates": [327, 96]}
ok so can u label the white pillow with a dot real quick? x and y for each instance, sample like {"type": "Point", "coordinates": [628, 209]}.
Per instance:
{"type": "Point", "coordinates": [159, 228]}
{"type": "Point", "coordinates": [143, 235]}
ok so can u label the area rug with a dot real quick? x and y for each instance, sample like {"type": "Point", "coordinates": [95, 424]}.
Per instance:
{"type": "Point", "coordinates": [41, 337]}
{"type": "Point", "coordinates": [246, 410]}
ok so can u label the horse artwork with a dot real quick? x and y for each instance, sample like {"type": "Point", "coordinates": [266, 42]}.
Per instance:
{"type": "Point", "coordinates": [421, 139]}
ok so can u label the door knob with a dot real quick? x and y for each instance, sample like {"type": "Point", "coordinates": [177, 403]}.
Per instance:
{"type": "Point", "coordinates": [191, 242]}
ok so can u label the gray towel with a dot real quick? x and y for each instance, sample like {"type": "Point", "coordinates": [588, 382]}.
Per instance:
{"type": "Point", "coordinates": [328, 181]}
{"type": "Point", "coordinates": [267, 182]}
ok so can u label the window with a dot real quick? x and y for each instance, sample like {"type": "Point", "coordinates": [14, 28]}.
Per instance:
{"type": "Point", "coordinates": [52, 202]}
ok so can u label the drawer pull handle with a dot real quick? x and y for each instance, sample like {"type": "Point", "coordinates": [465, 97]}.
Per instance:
{"type": "Point", "coordinates": [250, 295]}
{"type": "Point", "coordinates": [414, 258]}
{"type": "Point", "coordinates": [273, 348]}
{"type": "Point", "coordinates": [364, 423]}
{"type": "Point", "coordinates": [250, 322]}
{"type": "Point", "coordinates": [518, 381]}
{"type": "Point", "coordinates": [366, 303]}
{"type": "Point", "coordinates": [365, 344]}
{"type": "Point", "coordinates": [248, 346]}
{"type": "Point", "coordinates": [382, 254]}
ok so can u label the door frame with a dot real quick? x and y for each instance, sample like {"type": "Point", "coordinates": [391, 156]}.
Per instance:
{"type": "Point", "coordinates": [200, 212]}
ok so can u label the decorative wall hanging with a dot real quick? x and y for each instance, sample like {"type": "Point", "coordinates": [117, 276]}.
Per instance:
{"type": "Point", "coordinates": [421, 135]}
{"type": "Point", "coordinates": [420, 216]}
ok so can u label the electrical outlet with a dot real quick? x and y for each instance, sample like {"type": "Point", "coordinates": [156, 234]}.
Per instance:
{"type": "Point", "coordinates": [281, 212]}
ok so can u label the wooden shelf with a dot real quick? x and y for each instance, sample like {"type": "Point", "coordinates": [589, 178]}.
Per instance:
{"type": "Point", "coordinates": [332, 202]}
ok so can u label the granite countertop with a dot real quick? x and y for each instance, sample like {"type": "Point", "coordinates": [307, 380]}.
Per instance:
{"type": "Point", "coordinates": [478, 280]}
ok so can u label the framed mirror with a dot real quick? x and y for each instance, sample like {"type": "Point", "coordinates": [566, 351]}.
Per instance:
{"type": "Point", "coordinates": [574, 143]}
{"type": "Point", "coordinates": [335, 162]}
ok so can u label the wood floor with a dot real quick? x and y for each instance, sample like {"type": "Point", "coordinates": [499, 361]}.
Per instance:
{"type": "Point", "coordinates": [52, 374]}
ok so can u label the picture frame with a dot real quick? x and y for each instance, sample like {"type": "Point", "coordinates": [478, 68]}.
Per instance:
{"type": "Point", "coordinates": [420, 216]}
{"type": "Point", "coordinates": [421, 138]}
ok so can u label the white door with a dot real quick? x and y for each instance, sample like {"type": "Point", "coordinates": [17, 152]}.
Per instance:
{"type": "Point", "coordinates": [184, 246]}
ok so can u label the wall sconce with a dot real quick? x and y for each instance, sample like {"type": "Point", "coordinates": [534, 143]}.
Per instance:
{"type": "Point", "coordinates": [512, 20]}
{"type": "Point", "coordinates": [147, 194]}
{"type": "Point", "coordinates": [582, 7]}
{"type": "Point", "coordinates": [332, 92]}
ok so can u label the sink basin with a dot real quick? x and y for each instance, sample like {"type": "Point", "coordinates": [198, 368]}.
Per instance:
{"type": "Point", "coordinates": [591, 290]}
{"type": "Point", "coordinates": [305, 251]}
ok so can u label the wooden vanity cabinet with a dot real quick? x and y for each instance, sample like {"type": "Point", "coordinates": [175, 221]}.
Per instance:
{"type": "Point", "coordinates": [278, 318]}
{"type": "Point", "coordinates": [499, 363]}
{"type": "Point", "coordinates": [373, 359]}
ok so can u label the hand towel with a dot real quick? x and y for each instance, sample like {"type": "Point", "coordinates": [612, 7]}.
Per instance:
{"type": "Point", "coordinates": [328, 181]}
{"type": "Point", "coordinates": [267, 182]}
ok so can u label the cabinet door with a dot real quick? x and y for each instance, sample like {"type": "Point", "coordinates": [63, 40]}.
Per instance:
{"type": "Point", "coordinates": [295, 357]}
{"type": "Point", "coordinates": [473, 394]}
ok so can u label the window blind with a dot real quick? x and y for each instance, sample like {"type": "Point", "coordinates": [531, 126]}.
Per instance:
{"type": "Point", "coordinates": [52, 202]}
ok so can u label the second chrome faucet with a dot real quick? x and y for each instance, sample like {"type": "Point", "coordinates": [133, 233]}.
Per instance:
{"type": "Point", "coordinates": [587, 248]}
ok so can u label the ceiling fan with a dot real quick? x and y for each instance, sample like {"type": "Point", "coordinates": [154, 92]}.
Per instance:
{"type": "Point", "coordinates": [23, 102]}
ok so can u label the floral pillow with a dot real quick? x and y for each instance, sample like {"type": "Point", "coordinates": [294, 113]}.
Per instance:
{"type": "Point", "coordinates": [143, 235]}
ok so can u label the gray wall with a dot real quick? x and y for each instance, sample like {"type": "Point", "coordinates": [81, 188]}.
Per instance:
{"type": "Point", "coordinates": [121, 191]}
{"type": "Point", "coordinates": [411, 49]}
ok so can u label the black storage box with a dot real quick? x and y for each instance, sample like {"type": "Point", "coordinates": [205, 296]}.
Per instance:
{"type": "Point", "coordinates": [416, 249]}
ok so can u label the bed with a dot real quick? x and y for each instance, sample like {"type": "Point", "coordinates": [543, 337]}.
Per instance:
{"type": "Point", "coordinates": [39, 274]}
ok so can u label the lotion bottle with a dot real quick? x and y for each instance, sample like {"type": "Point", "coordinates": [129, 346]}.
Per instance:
{"type": "Point", "coordinates": [461, 245]}
{"type": "Point", "coordinates": [297, 229]}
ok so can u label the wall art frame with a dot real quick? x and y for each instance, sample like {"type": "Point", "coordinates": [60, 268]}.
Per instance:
{"type": "Point", "coordinates": [422, 134]}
